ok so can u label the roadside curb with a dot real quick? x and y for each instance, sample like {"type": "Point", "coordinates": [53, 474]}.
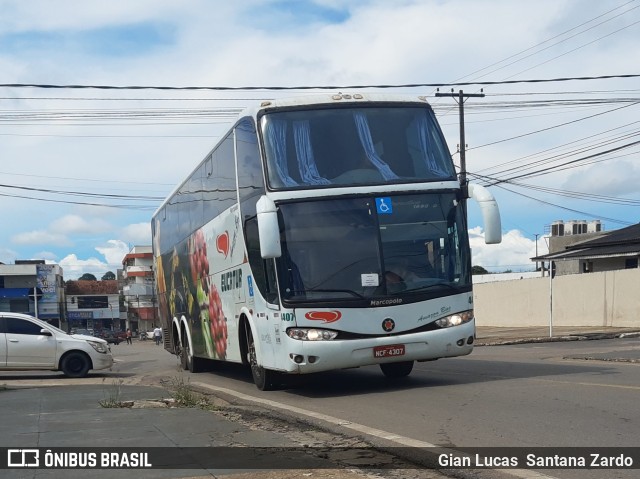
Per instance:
{"type": "Point", "coordinates": [554, 339]}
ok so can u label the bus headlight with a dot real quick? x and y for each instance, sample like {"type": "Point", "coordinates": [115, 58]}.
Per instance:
{"type": "Point", "coordinates": [311, 334]}
{"type": "Point", "coordinates": [455, 319]}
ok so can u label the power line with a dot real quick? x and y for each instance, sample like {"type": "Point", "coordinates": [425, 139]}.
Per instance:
{"type": "Point", "coordinates": [590, 137]}
{"type": "Point", "coordinates": [584, 213]}
{"type": "Point", "coordinates": [554, 126]}
{"type": "Point", "coordinates": [579, 195]}
{"type": "Point", "coordinates": [552, 169]}
{"type": "Point", "coordinates": [560, 156]}
{"type": "Point", "coordinates": [130, 207]}
{"type": "Point", "coordinates": [86, 179]}
{"type": "Point", "coordinates": [85, 193]}
{"type": "Point", "coordinates": [316, 87]}
{"type": "Point", "coordinates": [550, 39]}
{"type": "Point", "coordinates": [575, 49]}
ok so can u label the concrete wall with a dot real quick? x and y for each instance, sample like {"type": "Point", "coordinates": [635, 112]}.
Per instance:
{"type": "Point", "coordinates": [610, 298]}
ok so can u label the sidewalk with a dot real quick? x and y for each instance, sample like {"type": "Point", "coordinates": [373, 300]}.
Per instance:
{"type": "Point", "coordinates": [72, 417]}
{"type": "Point", "coordinates": [493, 336]}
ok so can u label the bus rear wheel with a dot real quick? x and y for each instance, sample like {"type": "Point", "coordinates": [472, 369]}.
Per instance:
{"type": "Point", "coordinates": [397, 370]}
{"type": "Point", "coordinates": [185, 355]}
{"type": "Point", "coordinates": [264, 379]}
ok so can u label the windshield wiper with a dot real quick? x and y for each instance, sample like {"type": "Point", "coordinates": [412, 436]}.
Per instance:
{"type": "Point", "coordinates": [348, 291]}
{"type": "Point", "coordinates": [429, 286]}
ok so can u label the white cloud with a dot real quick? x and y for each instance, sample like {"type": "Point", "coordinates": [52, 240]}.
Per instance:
{"type": "Point", "coordinates": [137, 234]}
{"type": "Point", "coordinates": [227, 43]}
{"type": "Point", "coordinates": [76, 224]}
{"type": "Point", "coordinates": [114, 251]}
{"type": "Point", "coordinates": [514, 253]}
{"type": "Point", "coordinates": [616, 178]}
{"type": "Point", "coordinates": [41, 237]}
{"type": "Point", "coordinates": [7, 256]}
{"type": "Point", "coordinates": [73, 267]}
{"type": "Point", "coordinates": [48, 256]}
{"type": "Point", "coordinates": [61, 231]}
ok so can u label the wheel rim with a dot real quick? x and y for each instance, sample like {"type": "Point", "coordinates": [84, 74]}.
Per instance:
{"type": "Point", "coordinates": [256, 370]}
{"type": "Point", "coordinates": [75, 365]}
{"type": "Point", "coordinates": [186, 353]}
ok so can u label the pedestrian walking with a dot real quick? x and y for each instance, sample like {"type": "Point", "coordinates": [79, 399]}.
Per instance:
{"type": "Point", "coordinates": [157, 335]}
{"type": "Point", "coordinates": [129, 336]}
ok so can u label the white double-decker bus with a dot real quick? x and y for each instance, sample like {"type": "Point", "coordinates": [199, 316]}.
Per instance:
{"type": "Point", "coordinates": [320, 233]}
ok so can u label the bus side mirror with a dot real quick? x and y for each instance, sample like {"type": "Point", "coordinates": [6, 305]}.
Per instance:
{"type": "Point", "coordinates": [268, 229]}
{"type": "Point", "coordinates": [490, 213]}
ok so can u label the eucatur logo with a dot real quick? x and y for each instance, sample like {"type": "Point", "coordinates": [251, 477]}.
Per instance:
{"type": "Point", "coordinates": [222, 243]}
{"type": "Point", "coordinates": [324, 316]}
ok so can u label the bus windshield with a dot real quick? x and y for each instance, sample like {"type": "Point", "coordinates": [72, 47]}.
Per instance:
{"type": "Point", "coordinates": [354, 146]}
{"type": "Point", "coordinates": [406, 246]}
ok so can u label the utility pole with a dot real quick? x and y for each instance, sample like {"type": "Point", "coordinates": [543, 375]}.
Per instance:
{"type": "Point", "coordinates": [461, 95]}
{"type": "Point", "coordinates": [536, 235]}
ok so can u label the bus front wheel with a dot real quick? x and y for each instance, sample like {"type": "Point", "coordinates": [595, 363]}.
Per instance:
{"type": "Point", "coordinates": [397, 370]}
{"type": "Point", "coordinates": [264, 379]}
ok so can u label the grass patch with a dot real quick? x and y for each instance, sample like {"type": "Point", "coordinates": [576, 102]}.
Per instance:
{"type": "Point", "coordinates": [114, 395]}
{"type": "Point", "coordinates": [184, 395]}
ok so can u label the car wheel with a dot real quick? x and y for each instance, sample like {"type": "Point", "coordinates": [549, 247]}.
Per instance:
{"type": "Point", "coordinates": [75, 365]}
{"type": "Point", "coordinates": [397, 370]}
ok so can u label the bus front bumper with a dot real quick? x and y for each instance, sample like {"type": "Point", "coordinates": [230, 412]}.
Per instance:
{"type": "Point", "coordinates": [316, 356]}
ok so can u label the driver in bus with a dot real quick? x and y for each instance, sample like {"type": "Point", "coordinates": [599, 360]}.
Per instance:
{"type": "Point", "coordinates": [403, 271]}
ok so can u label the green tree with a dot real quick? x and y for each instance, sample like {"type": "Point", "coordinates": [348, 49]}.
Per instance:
{"type": "Point", "coordinates": [88, 277]}
{"type": "Point", "coordinates": [478, 270]}
{"type": "Point", "coordinates": [108, 276]}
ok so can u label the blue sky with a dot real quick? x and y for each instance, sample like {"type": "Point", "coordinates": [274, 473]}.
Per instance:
{"type": "Point", "coordinates": [143, 142]}
{"type": "Point", "coordinates": [138, 39]}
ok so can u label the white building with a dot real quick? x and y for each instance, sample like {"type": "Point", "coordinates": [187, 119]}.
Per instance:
{"type": "Point", "coordinates": [93, 305]}
{"type": "Point", "coordinates": [139, 289]}
{"type": "Point", "coordinates": [17, 283]}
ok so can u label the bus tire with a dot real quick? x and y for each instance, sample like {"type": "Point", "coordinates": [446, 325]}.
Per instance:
{"type": "Point", "coordinates": [185, 355]}
{"type": "Point", "coordinates": [264, 379]}
{"type": "Point", "coordinates": [397, 370]}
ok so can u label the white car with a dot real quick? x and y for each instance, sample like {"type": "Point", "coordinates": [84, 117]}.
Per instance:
{"type": "Point", "coordinates": [29, 343]}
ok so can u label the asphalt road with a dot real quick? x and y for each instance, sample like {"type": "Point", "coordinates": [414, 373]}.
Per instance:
{"type": "Point", "coordinates": [559, 394]}
{"type": "Point", "coordinates": [550, 394]}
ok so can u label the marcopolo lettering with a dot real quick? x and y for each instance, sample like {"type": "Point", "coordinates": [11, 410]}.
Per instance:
{"type": "Point", "coordinates": [231, 280]}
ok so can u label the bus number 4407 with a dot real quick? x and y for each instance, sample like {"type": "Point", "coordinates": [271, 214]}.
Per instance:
{"type": "Point", "coordinates": [388, 351]}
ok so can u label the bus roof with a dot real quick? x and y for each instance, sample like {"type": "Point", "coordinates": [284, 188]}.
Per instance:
{"type": "Point", "coordinates": [331, 99]}
{"type": "Point", "coordinates": [310, 100]}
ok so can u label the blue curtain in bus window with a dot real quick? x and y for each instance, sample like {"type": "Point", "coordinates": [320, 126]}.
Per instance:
{"type": "Point", "coordinates": [306, 161]}
{"type": "Point", "coordinates": [367, 143]}
{"type": "Point", "coordinates": [277, 133]}
{"type": "Point", "coordinates": [424, 131]}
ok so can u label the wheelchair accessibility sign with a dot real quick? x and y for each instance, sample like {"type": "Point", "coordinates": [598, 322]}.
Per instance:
{"type": "Point", "coordinates": [384, 205]}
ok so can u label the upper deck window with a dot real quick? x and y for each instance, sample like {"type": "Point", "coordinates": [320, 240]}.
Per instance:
{"type": "Point", "coordinates": [354, 146]}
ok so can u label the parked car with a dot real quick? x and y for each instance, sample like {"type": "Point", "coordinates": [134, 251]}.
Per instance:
{"type": "Point", "coordinates": [109, 336]}
{"type": "Point", "coordinates": [86, 332]}
{"type": "Point", "coordinates": [27, 343]}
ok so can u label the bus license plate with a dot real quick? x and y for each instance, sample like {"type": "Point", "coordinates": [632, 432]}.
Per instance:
{"type": "Point", "coordinates": [388, 351]}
